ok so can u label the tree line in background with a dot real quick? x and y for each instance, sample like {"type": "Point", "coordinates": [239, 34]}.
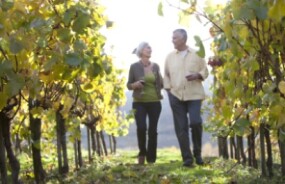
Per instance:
{"type": "Point", "coordinates": [55, 78]}
{"type": "Point", "coordinates": [249, 77]}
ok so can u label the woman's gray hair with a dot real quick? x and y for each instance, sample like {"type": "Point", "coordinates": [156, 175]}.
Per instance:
{"type": "Point", "coordinates": [139, 49]}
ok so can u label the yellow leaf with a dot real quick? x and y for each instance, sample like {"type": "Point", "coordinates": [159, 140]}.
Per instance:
{"type": "Point", "coordinates": [56, 105]}
{"type": "Point", "coordinates": [281, 120]}
{"type": "Point", "coordinates": [129, 174]}
{"type": "Point", "coordinates": [277, 11]}
{"type": "Point", "coordinates": [244, 32]}
{"type": "Point", "coordinates": [36, 112]}
{"type": "Point", "coordinates": [67, 104]}
{"type": "Point", "coordinates": [3, 100]}
{"type": "Point", "coordinates": [254, 115]}
{"type": "Point", "coordinates": [89, 87]}
{"type": "Point", "coordinates": [20, 6]}
{"type": "Point", "coordinates": [165, 180]}
{"type": "Point", "coordinates": [45, 77]}
{"type": "Point", "coordinates": [276, 110]}
{"type": "Point", "coordinates": [110, 177]}
{"type": "Point", "coordinates": [184, 19]}
{"type": "Point", "coordinates": [281, 87]}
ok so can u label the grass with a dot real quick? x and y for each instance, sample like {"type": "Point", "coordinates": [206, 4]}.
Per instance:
{"type": "Point", "coordinates": [122, 168]}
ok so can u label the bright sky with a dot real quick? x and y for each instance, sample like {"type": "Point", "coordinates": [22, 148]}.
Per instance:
{"type": "Point", "coordinates": [138, 20]}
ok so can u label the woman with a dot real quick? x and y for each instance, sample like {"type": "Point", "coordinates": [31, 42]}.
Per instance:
{"type": "Point", "coordinates": [146, 82]}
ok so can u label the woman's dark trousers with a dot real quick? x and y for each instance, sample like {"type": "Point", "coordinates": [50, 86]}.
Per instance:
{"type": "Point", "coordinates": [143, 110]}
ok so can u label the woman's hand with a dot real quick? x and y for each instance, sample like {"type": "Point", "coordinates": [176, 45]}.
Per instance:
{"type": "Point", "coordinates": [137, 84]}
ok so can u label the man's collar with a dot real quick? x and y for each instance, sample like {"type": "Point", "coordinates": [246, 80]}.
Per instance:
{"type": "Point", "coordinates": [188, 50]}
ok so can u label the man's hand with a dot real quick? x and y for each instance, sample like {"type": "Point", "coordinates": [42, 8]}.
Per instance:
{"type": "Point", "coordinates": [193, 76]}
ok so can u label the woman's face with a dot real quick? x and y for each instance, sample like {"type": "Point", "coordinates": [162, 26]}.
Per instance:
{"type": "Point", "coordinates": [146, 52]}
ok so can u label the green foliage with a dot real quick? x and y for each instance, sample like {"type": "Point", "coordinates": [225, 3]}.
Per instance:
{"type": "Point", "coordinates": [53, 52]}
{"type": "Point", "coordinates": [201, 51]}
{"type": "Point", "coordinates": [242, 40]}
{"type": "Point", "coordinates": [277, 10]}
{"type": "Point", "coordinates": [247, 78]}
{"type": "Point", "coordinates": [249, 81]}
{"type": "Point", "coordinates": [160, 9]}
{"type": "Point", "coordinates": [57, 46]}
{"type": "Point", "coordinates": [122, 168]}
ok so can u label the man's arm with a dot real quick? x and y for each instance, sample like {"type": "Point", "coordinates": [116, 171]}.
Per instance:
{"type": "Point", "coordinates": [204, 73]}
{"type": "Point", "coordinates": [166, 79]}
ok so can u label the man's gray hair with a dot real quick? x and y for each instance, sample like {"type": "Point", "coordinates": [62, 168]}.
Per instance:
{"type": "Point", "coordinates": [182, 32]}
{"type": "Point", "coordinates": [139, 49]}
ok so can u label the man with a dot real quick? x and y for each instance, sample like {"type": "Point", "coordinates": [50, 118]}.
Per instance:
{"type": "Point", "coordinates": [184, 73]}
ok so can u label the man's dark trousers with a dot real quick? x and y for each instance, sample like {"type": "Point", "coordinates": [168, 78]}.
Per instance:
{"type": "Point", "coordinates": [180, 111]}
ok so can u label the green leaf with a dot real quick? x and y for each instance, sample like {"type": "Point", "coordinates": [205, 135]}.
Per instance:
{"type": "Point", "coordinates": [79, 45]}
{"type": "Point", "coordinates": [241, 125]}
{"type": "Point", "coordinates": [6, 5]}
{"type": "Point", "coordinates": [37, 23]}
{"type": "Point", "coordinates": [276, 111]}
{"type": "Point", "coordinates": [81, 23]}
{"type": "Point", "coordinates": [246, 13]}
{"type": "Point", "coordinates": [15, 45]}
{"type": "Point", "coordinates": [209, 7]}
{"type": "Point", "coordinates": [198, 18]}
{"type": "Point", "coordinates": [94, 70]}
{"type": "Point", "coordinates": [59, 1]}
{"type": "Point", "coordinates": [269, 86]}
{"type": "Point", "coordinates": [107, 67]}
{"type": "Point", "coordinates": [64, 35]}
{"type": "Point", "coordinates": [185, 1]}
{"type": "Point", "coordinates": [42, 42]}
{"type": "Point", "coordinates": [223, 45]}
{"type": "Point", "coordinates": [34, 86]}
{"type": "Point", "coordinates": [51, 62]}
{"type": "Point", "coordinates": [261, 12]}
{"type": "Point", "coordinates": [226, 112]}
{"type": "Point", "coordinates": [68, 16]}
{"type": "Point", "coordinates": [73, 59]}
{"type": "Point", "coordinates": [5, 65]}
{"type": "Point", "coordinates": [259, 9]}
{"type": "Point", "coordinates": [242, 122]}
{"type": "Point", "coordinates": [254, 65]}
{"type": "Point", "coordinates": [160, 9]}
{"type": "Point", "coordinates": [199, 43]}
{"type": "Point", "coordinates": [16, 83]}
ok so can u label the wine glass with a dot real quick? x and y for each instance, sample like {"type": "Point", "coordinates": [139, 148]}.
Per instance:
{"type": "Point", "coordinates": [142, 81]}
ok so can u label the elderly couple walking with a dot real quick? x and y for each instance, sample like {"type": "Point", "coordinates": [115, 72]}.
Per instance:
{"type": "Point", "coordinates": [184, 72]}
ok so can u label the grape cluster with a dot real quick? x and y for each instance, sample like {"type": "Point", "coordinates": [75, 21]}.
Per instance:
{"type": "Point", "coordinates": [213, 62]}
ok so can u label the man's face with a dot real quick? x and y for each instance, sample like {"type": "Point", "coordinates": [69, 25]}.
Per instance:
{"type": "Point", "coordinates": [178, 40]}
